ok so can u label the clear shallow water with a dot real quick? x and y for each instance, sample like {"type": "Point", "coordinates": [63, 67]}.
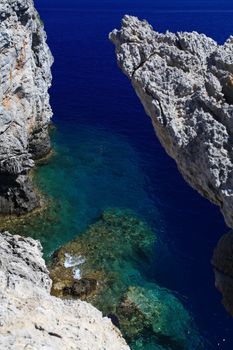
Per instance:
{"type": "Point", "coordinates": [108, 156]}
{"type": "Point", "coordinates": [113, 251]}
{"type": "Point", "coordinates": [92, 169]}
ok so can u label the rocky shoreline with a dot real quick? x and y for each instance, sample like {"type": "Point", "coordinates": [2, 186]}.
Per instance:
{"type": "Point", "coordinates": [30, 318]}
{"type": "Point", "coordinates": [185, 83]}
{"type": "Point", "coordinates": [25, 110]}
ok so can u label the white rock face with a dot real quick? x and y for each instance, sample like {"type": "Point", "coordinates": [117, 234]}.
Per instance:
{"type": "Point", "coordinates": [185, 82]}
{"type": "Point", "coordinates": [30, 318]}
{"type": "Point", "coordinates": [25, 113]}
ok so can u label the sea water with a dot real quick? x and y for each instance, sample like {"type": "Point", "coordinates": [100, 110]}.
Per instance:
{"type": "Point", "coordinates": [107, 155]}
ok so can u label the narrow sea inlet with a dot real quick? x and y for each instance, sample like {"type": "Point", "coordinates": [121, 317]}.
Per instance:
{"type": "Point", "coordinates": [106, 233]}
{"type": "Point", "coordinates": [110, 186]}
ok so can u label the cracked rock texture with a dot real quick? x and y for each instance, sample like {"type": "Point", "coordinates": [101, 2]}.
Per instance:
{"type": "Point", "coordinates": [30, 318]}
{"type": "Point", "coordinates": [185, 83]}
{"type": "Point", "coordinates": [25, 113]}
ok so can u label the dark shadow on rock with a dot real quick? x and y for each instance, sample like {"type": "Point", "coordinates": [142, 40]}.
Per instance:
{"type": "Point", "coordinates": [222, 262]}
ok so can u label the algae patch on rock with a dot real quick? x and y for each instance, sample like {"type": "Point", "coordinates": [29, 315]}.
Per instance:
{"type": "Point", "coordinates": [110, 251]}
{"type": "Point", "coordinates": [156, 314]}
{"type": "Point", "coordinates": [104, 266]}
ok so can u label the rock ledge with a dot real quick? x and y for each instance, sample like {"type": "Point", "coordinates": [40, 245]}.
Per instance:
{"type": "Point", "coordinates": [30, 318]}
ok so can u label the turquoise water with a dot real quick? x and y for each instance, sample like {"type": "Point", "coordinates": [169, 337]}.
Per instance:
{"type": "Point", "coordinates": [92, 169]}
{"type": "Point", "coordinates": [107, 156]}
{"type": "Point", "coordinates": [108, 257]}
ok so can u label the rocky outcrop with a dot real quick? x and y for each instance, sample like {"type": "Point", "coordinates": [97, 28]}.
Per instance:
{"type": "Point", "coordinates": [30, 318]}
{"type": "Point", "coordinates": [25, 113]}
{"type": "Point", "coordinates": [185, 82]}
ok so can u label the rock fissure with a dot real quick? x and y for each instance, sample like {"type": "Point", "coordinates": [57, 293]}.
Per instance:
{"type": "Point", "coordinates": [144, 61]}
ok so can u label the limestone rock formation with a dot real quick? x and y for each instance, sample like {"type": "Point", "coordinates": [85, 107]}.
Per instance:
{"type": "Point", "coordinates": [185, 83]}
{"type": "Point", "coordinates": [30, 318]}
{"type": "Point", "coordinates": [25, 113]}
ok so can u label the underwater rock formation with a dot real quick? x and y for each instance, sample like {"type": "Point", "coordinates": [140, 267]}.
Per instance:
{"type": "Point", "coordinates": [103, 266]}
{"type": "Point", "coordinates": [106, 254]}
{"type": "Point", "coordinates": [30, 318]}
{"type": "Point", "coordinates": [152, 311]}
{"type": "Point", "coordinates": [185, 83]}
{"type": "Point", "coordinates": [223, 268]}
{"type": "Point", "coordinates": [25, 110]}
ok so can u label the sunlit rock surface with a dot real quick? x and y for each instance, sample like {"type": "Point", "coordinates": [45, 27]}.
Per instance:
{"type": "Point", "coordinates": [185, 83]}
{"type": "Point", "coordinates": [25, 112]}
{"type": "Point", "coordinates": [30, 318]}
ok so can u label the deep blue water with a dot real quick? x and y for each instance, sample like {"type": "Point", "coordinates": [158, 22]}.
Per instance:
{"type": "Point", "coordinates": [111, 156]}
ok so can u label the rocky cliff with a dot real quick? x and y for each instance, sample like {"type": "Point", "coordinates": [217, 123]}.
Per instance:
{"type": "Point", "coordinates": [185, 83]}
{"type": "Point", "coordinates": [25, 113]}
{"type": "Point", "coordinates": [30, 318]}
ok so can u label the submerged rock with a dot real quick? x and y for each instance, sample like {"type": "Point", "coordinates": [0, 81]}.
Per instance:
{"type": "Point", "coordinates": [223, 268]}
{"type": "Point", "coordinates": [185, 83]}
{"type": "Point", "coordinates": [109, 257]}
{"type": "Point", "coordinates": [156, 314]}
{"type": "Point", "coordinates": [117, 241]}
{"type": "Point", "coordinates": [81, 288]}
{"type": "Point", "coordinates": [30, 318]}
{"type": "Point", "coordinates": [24, 102]}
